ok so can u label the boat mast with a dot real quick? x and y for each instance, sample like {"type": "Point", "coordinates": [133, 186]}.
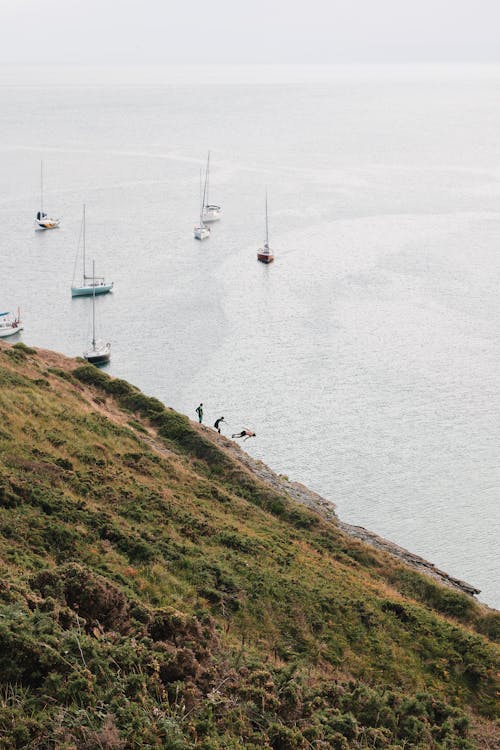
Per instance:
{"type": "Point", "coordinates": [202, 199]}
{"type": "Point", "coordinates": [203, 203]}
{"type": "Point", "coordinates": [93, 305]}
{"type": "Point", "coordinates": [83, 232]}
{"type": "Point", "coordinates": [267, 229]}
{"type": "Point", "coordinates": [41, 189]}
{"type": "Point", "coordinates": [207, 178]}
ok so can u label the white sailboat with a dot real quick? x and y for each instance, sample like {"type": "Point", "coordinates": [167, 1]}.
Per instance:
{"type": "Point", "coordinates": [43, 220]}
{"type": "Point", "coordinates": [265, 254]}
{"type": "Point", "coordinates": [211, 212]}
{"type": "Point", "coordinates": [99, 352]}
{"type": "Point", "coordinates": [10, 324]}
{"type": "Point", "coordinates": [90, 284]}
{"type": "Point", "coordinates": [202, 232]}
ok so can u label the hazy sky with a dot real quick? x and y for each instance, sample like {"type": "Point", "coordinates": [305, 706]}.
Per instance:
{"type": "Point", "coordinates": [248, 31]}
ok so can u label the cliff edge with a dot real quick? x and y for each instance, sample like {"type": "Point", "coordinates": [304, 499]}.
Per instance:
{"type": "Point", "coordinates": [160, 588]}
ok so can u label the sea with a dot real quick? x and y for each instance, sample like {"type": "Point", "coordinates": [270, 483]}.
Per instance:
{"type": "Point", "coordinates": [367, 356]}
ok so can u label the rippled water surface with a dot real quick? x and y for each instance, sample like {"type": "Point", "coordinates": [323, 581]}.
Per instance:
{"type": "Point", "coordinates": [367, 358]}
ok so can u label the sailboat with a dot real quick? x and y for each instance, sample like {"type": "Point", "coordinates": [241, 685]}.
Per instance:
{"type": "Point", "coordinates": [264, 254]}
{"type": "Point", "coordinates": [211, 212]}
{"type": "Point", "coordinates": [10, 324]}
{"type": "Point", "coordinates": [90, 284]}
{"type": "Point", "coordinates": [43, 220]}
{"type": "Point", "coordinates": [99, 353]}
{"type": "Point", "coordinates": [202, 232]}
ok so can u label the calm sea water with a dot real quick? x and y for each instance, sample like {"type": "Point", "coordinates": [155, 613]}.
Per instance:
{"type": "Point", "coordinates": [367, 357]}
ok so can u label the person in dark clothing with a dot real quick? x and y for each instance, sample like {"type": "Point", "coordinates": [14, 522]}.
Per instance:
{"type": "Point", "coordinates": [244, 434]}
{"type": "Point", "coordinates": [199, 411]}
{"type": "Point", "coordinates": [217, 424]}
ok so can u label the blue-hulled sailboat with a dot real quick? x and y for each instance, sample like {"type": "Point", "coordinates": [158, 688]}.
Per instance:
{"type": "Point", "coordinates": [90, 284]}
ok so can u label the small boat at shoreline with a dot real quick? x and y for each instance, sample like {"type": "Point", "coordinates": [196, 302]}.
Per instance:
{"type": "Point", "coordinates": [99, 352]}
{"type": "Point", "coordinates": [43, 220]}
{"type": "Point", "coordinates": [265, 254]}
{"type": "Point", "coordinates": [211, 212]}
{"type": "Point", "coordinates": [90, 284]}
{"type": "Point", "coordinates": [10, 324]}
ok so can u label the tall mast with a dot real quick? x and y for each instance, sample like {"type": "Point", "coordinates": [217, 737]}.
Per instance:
{"type": "Point", "coordinates": [201, 198]}
{"type": "Point", "coordinates": [267, 230]}
{"type": "Point", "coordinates": [204, 194]}
{"type": "Point", "coordinates": [41, 188]}
{"type": "Point", "coordinates": [93, 304]}
{"type": "Point", "coordinates": [83, 232]}
{"type": "Point", "coordinates": [208, 171]}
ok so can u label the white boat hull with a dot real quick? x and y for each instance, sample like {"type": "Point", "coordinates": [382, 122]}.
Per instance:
{"type": "Point", "coordinates": [87, 290]}
{"type": "Point", "coordinates": [211, 214]}
{"type": "Point", "coordinates": [201, 233]}
{"type": "Point", "coordinates": [10, 330]}
{"type": "Point", "coordinates": [9, 324]}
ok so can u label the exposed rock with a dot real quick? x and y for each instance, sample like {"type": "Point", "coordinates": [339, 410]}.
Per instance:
{"type": "Point", "coordinates": [326, 508]}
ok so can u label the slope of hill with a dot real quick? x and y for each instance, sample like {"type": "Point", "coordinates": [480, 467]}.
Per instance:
{"type": "Point", "coordinates": [157, 593]}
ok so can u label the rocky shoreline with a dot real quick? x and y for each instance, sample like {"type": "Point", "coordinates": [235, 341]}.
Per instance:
{"type": "Point", "coordinates": [326, 509]}
{"type": "Point", "coordinates": [295, 490]}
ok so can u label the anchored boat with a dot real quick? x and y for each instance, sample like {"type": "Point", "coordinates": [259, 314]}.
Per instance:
{"type": "Point", "coordinates": [264, 254]}
{"type": "Point", "coordinates": [211, 212]}
{"type": "Point", "coordinates": [202, 232]}
{"type": "Point", "coordinates": [99, 352]}
{"type": "Point", "coordinates": [43, 220]}
{"type": "Point", "coordinates": [10, 324]}
{"type": "Point", "coordinates": [90, 284]}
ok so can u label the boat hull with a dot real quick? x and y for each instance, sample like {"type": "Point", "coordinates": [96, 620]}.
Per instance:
{"type": "Point", "coordinates": [97, 359]}
{"type": "Point", "coordinates": [6, 331]}
{"type": "Point", "coordinates": [211, 214]}
{"type": "Point", "coordinates": [98, 356]}
{"type": "Point", "coordinates": [88, 291]}
{"type": "Point", "coordinates": [265, 257]}
{"type": "Point", "coordinates": [41, 226]}
{"type": "Point", "coordinates": [201, 233]}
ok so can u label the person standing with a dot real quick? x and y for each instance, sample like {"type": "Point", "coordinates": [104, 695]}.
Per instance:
{"type": "Point", "coordinates": [217, 424]}
{"type": "Point", "coordinates": [199, 411]}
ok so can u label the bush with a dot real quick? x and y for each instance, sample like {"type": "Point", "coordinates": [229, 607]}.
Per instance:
{"type": "Point", "coordinates": [170, 625]}
{"type": "Point", "coordinates": [23, 348]}
{"type": "Point", "coordinates": [91, 596]}
{"type": "Point", "coordinates": [284, 738]}
{"type": "Point", "coordinates": [63, 374]}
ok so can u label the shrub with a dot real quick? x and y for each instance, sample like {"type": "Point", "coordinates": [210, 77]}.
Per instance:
{"type": "Point", "coordinates": [170, 625]}
{"type": "Point", "coordinates": [284, 738]}
{"type": "Point", "coordinates": [93, 597]}
{"type": "Point", "coordinates": [23, 348]}
{"type": "Point", "coordinates": [238, 542]}
{"type": "Point", "coordinates": [489, 625]}
{"type": "Point", "coordinates": [63, 374]}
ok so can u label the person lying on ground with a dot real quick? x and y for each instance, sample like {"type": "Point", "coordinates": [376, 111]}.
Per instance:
{"type": "Point", "coordinates": [245, 433]}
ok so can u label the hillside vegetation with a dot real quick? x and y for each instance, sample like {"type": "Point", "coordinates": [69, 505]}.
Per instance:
{"type": "Point", "coordinates": [157, 594]}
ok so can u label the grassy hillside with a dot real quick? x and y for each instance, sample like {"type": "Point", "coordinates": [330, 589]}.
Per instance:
{"type": "Point", "coordinates": [156, 594]}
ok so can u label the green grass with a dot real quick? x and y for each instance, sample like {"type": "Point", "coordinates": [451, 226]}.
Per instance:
{"type": "Point", "coordinates": [168, 598]}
